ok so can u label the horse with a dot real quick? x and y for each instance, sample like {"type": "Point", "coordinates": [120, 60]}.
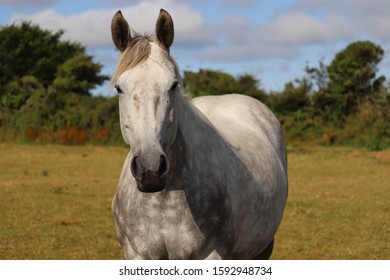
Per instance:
{"type": "Point", "coordinates": [204, 178]}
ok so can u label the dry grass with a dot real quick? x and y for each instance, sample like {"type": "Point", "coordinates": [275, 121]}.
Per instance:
{"type": "Point", "coordinates": [55, 203]}
{"type": "Point", "coordinates": [338, 205]}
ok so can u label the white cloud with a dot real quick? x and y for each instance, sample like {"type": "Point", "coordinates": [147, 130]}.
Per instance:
{"type": "Point", "coordinates": [240, 3]}
{"type": "Point", "coordinates": [369, 8]}
{"type": "Point", "coordinates": [235, 30]}
{"type": "Point", "coordinates": [230, 37]}
{"type": "Point", "coordinates": [249, 52]}
{"type": "Point", "coordinates": [301, 29]}
{"type": "Point", "coordinates": [371, 18]}
{"type": "Point", "coordinates": [92, 27]}
{"type": "Point", "coordinates": [282, 37]}
{"type": "Point", "coordinates": [330, 6]}
{"type": "Point", "coordinates": [27, 2]}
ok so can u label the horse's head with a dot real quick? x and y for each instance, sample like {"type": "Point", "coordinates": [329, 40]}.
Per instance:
{"type": "Point", "coordinates": [147, 80]}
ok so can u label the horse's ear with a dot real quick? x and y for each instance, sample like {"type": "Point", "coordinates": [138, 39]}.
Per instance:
{"type": "Point", "coordinates": [164, 29]}
{"type": "Point", "coordinates": [120, 31]}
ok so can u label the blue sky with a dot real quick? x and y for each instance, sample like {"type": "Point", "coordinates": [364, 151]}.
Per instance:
{"type": "Point", "coordinates": [272, 40]}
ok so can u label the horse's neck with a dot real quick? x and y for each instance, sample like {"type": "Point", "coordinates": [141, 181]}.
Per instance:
{"type": "Point", "coordinates": [192, 123]}
{"type": "Point", "coordinates": [196, 136]}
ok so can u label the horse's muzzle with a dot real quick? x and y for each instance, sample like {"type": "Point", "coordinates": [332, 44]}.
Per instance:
{"type": "Point", "coordinates": [149, 179]}
{"type": "Point", "coordinates": [151, 182]}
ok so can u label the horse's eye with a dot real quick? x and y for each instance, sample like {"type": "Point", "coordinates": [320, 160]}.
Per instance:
{"type": "Point", "coordinates": [118, 89]}
{"type": "Point", "coordinates": [174, 85]}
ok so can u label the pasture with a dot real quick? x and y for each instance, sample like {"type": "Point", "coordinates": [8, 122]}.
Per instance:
{"type": "Point", "coordinates": [56, 203]}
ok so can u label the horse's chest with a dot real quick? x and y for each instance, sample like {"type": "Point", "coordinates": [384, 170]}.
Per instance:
{"type": "Point", "coordinates": [164, 228]}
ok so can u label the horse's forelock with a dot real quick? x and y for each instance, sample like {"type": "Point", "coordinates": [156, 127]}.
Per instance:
{"type": "Point", "coordinates": [136, 52]}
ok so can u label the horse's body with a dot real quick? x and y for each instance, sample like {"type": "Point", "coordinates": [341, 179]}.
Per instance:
{"type": "Point", "coordinates": [214, 187]}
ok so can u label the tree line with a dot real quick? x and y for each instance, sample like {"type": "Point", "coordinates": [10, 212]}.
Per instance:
{"type": "Point", "coordinates": [46, 83]}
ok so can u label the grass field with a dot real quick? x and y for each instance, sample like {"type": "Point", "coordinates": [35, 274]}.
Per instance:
{"type": "Point", "coordinates": [55, 203]}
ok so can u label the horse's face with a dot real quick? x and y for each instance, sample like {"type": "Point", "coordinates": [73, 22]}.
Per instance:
{"type": "Point", "coordinates": [147, 106]}
{"type": "Point", "coordinates": [148, 117]}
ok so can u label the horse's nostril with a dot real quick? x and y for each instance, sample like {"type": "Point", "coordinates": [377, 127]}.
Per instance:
{"type": "Point", "coordinates": [135, 167]}
{"type": "Point", "coordinates": [163, 166]}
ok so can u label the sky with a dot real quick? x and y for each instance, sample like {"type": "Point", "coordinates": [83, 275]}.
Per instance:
{"type": "Point", "coordinates": [271, 40]}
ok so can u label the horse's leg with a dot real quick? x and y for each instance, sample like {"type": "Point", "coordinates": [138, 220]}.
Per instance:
{"type": "Point", "coordinates": [267, 252]}
{"type": "Point", "coordinates": [130, 254]}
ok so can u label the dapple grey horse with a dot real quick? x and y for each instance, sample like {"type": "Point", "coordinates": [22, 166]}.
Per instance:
{"type": "Point", "coordinates": [204, 179]}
